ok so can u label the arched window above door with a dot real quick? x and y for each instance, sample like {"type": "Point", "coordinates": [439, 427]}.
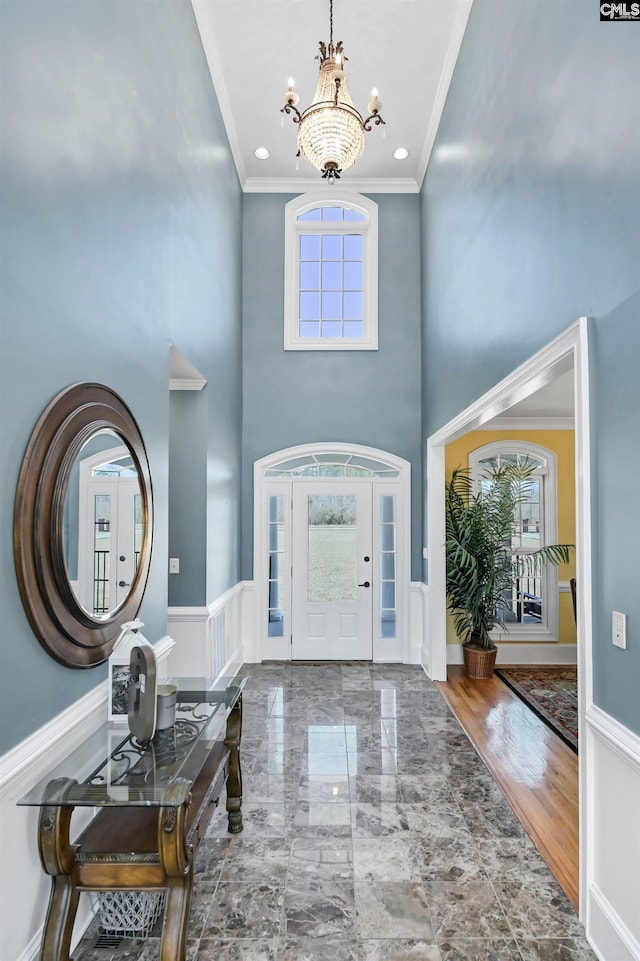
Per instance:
{"type": "Point", "coordinates": [332, 464]}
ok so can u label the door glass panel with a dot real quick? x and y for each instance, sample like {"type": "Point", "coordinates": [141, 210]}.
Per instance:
{"type": "Point", "coordinates": [388, 533]}
{"type": "Point", "coordinates": [101, 549]}
{"type": "Point", "coordinates": [138, 529]}
{"type": "Point", "coordinates": [387, 566]}
{"type": "Point", "coordinates": [276, 565]}
{"type": "Point", "coordinates": [332, 547]}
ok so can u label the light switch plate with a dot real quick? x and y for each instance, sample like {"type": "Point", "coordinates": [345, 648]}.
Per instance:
{"type": "Point", "coordinates": [174, 565]}
{"type": "Point", "coordinates": [619, 629]}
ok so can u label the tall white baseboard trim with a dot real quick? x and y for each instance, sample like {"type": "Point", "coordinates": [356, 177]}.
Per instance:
{"type": "Point", "coordinates": [613, 850]}
{"type": "Point", "coordinates": [523, 653]}
{"type": "Point", "coordinates": [24, 889]}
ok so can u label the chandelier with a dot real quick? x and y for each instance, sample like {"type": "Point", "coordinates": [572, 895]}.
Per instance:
{"type": "Point", "coordinates": [330, 130]}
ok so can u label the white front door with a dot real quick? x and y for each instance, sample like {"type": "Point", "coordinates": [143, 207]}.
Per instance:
{"type": "Point", "coordinates": [332, 570]}
{"type": "Point", "coordinates": [110, 539]}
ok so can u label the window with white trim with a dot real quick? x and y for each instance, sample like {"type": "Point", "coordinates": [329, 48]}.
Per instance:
{"type": "Point", "coordinates": [532, 603]}
{"type": "Point", "coordinates": [331, 267]}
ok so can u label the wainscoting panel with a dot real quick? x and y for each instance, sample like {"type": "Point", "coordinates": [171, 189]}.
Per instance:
{"type": "Point", "coordinates": [613, 860]}
{"type": "Point", "coordinates": [210, 640]}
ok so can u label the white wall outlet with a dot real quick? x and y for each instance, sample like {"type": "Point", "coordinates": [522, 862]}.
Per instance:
{"type": "Point", "coordinates": [619, 629]}
{"type": "Point", "coordinates": [174, 565]}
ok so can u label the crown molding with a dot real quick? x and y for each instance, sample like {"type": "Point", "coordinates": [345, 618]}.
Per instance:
{"type": "Point", "coordinates": [209, 45]}
{"type": "Point", "coordinates": [529, 423]}
{"type": "Point", "coordinates": [301, 185]}
{"type": "Point", "coordinates": [183, 383]}
{"type": "Point", "coordinates": [455, 42]}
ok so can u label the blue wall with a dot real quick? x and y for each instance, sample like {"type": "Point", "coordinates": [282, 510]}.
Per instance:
{"type": "Point", "coordinates": [531, 219]}
{"type": "Point", "coordinates": [297, 397]}
{"type": "Point", "coordinates": [121, 222]}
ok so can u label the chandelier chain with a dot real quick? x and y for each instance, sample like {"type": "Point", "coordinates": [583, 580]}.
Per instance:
{"type": "Point", "coordinates": [331, 130]}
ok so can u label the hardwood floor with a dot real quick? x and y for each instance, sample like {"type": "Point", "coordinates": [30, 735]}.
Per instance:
{"type": "Point", "coordinates": [535, 769]}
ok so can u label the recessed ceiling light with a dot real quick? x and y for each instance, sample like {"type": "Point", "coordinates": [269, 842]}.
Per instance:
{"type": "Point", "coordinates": [400, 153]}
{"type": "Point", "coordinates": [262, 153]}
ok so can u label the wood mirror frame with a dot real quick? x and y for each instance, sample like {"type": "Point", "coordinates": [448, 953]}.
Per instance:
{"type": "Point", "coordinates": [66, 631]}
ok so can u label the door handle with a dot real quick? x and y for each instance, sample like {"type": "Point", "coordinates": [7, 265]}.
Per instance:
{"type": "Point", "coordinates": [123, 584]}
{"type": "Point", "coordinates": [366, 584]}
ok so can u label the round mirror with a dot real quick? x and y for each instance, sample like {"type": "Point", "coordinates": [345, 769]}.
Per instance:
{"type": "Point", "coordinates": [83, 524]}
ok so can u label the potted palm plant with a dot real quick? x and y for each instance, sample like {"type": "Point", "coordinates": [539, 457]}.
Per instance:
{"type": "Point", "coordinates": [482, 564]}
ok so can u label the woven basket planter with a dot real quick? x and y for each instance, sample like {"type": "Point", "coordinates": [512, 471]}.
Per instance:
{"type": "Point", "coordinates": [478, 661]}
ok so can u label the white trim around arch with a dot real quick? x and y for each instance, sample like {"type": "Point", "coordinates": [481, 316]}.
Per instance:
{"type": "Point", "coordinates": [569, 349]}
{"type": "Point", "coordinates": [396, 649]}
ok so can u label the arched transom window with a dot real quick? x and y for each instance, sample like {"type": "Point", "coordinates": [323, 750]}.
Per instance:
{"type": "Point", "coordinates": [331, 464]}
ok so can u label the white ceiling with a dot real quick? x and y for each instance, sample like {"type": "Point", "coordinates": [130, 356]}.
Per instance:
{"type": "Point", "coordinates": [552, 404]}
{"type": "Point", "coordinates": [405, 48]}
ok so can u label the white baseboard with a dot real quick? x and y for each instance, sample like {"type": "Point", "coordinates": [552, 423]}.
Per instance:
{"type": "Point", "coordinates": [608, 934]}
{"type": "Point", "coordinates": [30, 953]}
{"type": "Point", "coordinates": [523, 653]}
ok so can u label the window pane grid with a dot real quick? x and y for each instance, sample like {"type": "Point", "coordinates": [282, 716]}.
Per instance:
{"type": "Point", "coordinates": [332, 213]}
{"type": "Point", "coordinates": [387, 566]}
{"type": "Point", "coordinates": [275, 625]}
{"type": "Point", "coordinates": [330, 283]}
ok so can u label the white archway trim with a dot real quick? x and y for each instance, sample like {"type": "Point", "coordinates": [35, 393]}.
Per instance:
{"type": "Point", "coordinates": [569, 349]}
{"type": "Point", "coordinates": [399, 483]}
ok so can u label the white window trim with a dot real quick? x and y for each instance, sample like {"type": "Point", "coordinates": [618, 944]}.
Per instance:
{"type": "Point", "coordinates": [369, 230]}
{"type": "Point", "coordinates": [548, 629]}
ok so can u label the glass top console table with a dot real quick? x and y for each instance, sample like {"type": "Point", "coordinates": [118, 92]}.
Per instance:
{"type": "Point", "coordinates": [154, 800]}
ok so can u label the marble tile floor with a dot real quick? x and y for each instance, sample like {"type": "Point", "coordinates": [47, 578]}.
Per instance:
{"type": "Point", "coordinates": [372, 832]}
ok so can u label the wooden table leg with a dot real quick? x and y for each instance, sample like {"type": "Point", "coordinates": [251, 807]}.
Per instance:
{"type": "Point", "coordinates": [234, 782]}
{"type": "Point", "coordinates": [176, 857]}
{"type": "Point", "coordinates": [56, 857]}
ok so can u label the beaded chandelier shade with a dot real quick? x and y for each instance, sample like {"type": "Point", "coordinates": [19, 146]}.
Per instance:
{"type": "Point", "coordinates": [331, 130]}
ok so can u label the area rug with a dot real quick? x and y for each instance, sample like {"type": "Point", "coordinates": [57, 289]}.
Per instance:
{"type": "Point", "coordinates": [551, 692]}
